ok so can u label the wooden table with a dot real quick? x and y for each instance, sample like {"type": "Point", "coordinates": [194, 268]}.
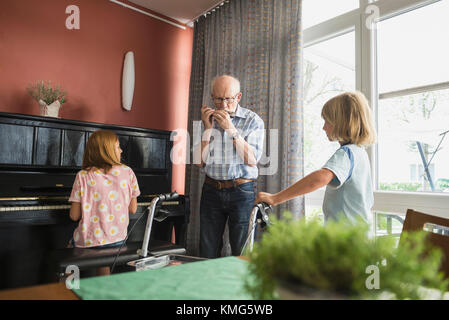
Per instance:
{"type": "Point", "coordinates": [53, 291]}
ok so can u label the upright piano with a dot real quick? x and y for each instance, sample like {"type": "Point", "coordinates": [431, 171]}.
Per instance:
{"type": "Point", "coordinates": [39, 159]}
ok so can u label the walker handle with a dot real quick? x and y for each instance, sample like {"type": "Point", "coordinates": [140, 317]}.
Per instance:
{"type": "Point", "coordinates": [168, 196]}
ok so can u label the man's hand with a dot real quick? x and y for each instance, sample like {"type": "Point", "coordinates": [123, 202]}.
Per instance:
{"type": "Point", "coordinates": [224, 120]}
{"type": "Point", "coordinates": [266, 197]}
{"type": "Point", "coordinates": [207, 117]}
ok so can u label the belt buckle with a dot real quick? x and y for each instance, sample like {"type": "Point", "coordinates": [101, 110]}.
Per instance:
{"type": "Point", "coordinates": [219, 185]}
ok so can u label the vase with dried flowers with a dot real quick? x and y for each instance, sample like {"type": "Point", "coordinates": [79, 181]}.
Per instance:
{"type": "Point", "coordinates": [49, 98]}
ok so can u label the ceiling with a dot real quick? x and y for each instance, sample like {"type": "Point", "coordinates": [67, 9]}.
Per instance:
{"type": "Point", "coordinates": [184, 11]}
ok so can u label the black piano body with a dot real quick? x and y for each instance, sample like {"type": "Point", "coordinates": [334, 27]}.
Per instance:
{"type": "Point", "coordinates": [39, 159]}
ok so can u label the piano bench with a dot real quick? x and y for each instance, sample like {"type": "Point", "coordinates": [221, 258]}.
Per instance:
{"type": "Point", "coordinates": [85, 259]}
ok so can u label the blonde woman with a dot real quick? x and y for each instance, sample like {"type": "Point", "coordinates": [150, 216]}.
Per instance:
{"type": "Point", "coordinates": [346, 175]}
{"type": "Point", "coordinates": [105, 191]}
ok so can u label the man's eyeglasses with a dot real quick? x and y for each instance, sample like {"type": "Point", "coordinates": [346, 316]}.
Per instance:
{"type": "Point", "coordinates": [228, 101]}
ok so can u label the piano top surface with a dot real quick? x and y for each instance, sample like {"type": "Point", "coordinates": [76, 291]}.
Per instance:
{"type": "Point", "coordinates": [40, 156]}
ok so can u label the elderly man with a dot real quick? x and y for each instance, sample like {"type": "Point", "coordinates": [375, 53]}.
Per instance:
{"type": "Point", "coordinates": [231, 146]}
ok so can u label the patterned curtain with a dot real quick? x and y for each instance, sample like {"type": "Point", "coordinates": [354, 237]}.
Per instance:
{"type": "Point", "coordinates": [260, 43]}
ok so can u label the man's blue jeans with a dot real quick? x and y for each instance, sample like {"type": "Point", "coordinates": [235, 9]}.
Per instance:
{"type": "Point", "coordinates": [217, 206]}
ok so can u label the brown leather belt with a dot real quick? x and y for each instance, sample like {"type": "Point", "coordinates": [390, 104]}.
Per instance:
{"type": "Point", "coordinates": [224, 184]}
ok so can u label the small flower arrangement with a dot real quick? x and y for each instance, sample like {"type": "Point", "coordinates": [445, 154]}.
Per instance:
{"type": "Point", "coordinates": [46, 93]}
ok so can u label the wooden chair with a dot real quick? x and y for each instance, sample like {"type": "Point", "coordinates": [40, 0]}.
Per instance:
{"type": "Point", "coordinates": [438, 229]}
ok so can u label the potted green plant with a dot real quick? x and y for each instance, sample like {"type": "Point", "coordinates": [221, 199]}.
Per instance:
{"type": "Point", "coordinates": [299, 259]}
{"type": "Point", "coordinates": [49, 98]}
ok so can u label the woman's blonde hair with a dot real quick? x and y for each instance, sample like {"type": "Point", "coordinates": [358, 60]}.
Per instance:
{"type": "Point", "coordinates": [349, 115]}
{"type": "Point", "coordinates": [100, 151]}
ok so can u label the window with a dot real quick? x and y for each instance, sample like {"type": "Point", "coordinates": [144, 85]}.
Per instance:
{"type": "Point", "coordinates": [402, 66]}
{"type": "Point", "coordinates": [314, 213]}
{"type": "Point", "coordinates": [417, 172]}
{"type": "Point", "coordinates": [413, 111]}
{"type": "Point", "coordinates": [413, 176]}
{"type": "Point", "coordinates": [329, 68]}
{"type": "Point", "coordinates": [388, 224]}
{"type": "Point", "coordinates": [317, 11]}
{"type": "Point", "coordinates": [411, 131]}
{"type": "Point", "coordinates": [413, 49]}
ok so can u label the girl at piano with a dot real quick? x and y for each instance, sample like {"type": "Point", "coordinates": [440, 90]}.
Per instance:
{"type": "Point", "coordinates": [347, 174]}
{"type": "Point", "coordinates": [103, 194]}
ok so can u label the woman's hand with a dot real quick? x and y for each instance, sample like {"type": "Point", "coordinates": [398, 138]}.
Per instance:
{"type": "Point", "coordinates": [266, 197]}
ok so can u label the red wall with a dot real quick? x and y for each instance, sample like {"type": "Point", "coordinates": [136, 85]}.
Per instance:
{"type": "Point", "coordinates": [36, 45]}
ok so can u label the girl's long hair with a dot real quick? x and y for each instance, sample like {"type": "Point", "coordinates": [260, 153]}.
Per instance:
{"type": "Point", "coordinates": [349, 115]}
{"type": "Point", "coordinates": [100, 151]}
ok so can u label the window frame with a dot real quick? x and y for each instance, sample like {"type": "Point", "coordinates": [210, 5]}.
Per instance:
{"type": "Point", "coordinates": [366, 81]}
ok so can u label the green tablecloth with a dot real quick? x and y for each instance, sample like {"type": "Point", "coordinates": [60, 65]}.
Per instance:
{"type": "Point", "coordinates": [215, 279]}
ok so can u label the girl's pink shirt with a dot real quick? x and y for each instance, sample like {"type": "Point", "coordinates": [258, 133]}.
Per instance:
{"type": "Point", "coordinates": [104, 202]}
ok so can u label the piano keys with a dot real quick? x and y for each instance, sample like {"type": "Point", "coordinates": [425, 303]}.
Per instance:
{"type": "Point", "coordinates": [6, 208]}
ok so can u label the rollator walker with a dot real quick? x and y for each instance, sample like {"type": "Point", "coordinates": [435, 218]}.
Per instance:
{"type": "Point", "coordinates": [259, 216]}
